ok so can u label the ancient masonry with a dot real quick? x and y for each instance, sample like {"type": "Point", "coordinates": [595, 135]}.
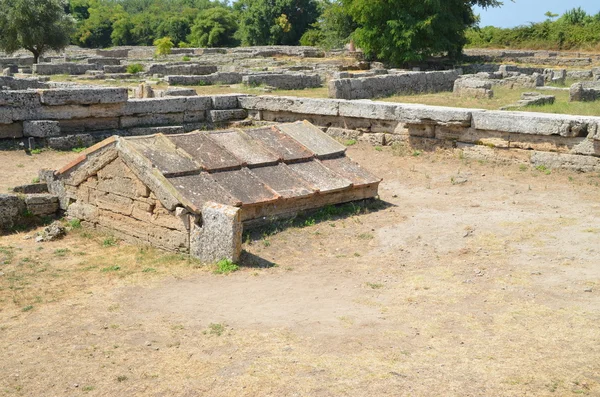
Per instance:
{"type": "Point", "coordinates": [193, 192]}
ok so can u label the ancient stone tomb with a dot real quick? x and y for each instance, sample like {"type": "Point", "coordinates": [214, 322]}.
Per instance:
{"type": "Point", "coordinates": [193, 192]}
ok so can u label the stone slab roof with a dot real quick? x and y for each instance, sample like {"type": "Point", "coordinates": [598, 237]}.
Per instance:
{"type": "Point", "coordinates": [234, 167]}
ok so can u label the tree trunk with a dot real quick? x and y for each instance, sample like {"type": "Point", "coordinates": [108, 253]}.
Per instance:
{"type": "Point", "coordinates": [36, 56]}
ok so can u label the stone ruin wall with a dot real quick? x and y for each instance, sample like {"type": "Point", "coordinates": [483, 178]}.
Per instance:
{"type": "Point", "coordinates": [396, 83]}
{"type": "Point", "coordinates": [66, 118]}
{"type": "Point", "coordinates": [74, 117]}
{"type": "Point", "coordinates": [553, 140]}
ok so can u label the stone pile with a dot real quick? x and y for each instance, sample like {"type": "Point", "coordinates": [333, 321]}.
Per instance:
{"type": "Point", "coordinates": [473, 88]}
{"type": "Point", "coordinates": [584, 92]}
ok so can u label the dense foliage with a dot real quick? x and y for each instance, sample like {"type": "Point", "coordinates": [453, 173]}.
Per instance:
{"type": "Point", "coordinates": [393, 31]}
{"type": "Point", "coordinates": [35, 25]}
{"type": "Point", "coordinates": [575, 29]}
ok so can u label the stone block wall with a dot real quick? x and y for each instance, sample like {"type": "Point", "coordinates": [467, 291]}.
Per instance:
{"type": "Point", "coordinates": [382, 123]}
{"type": "Point", "coordinates": [393, 84]}
{"type": "Point", "coordinates": [17, 209]}
{"type": "Point", "coordinates": [74, 117]}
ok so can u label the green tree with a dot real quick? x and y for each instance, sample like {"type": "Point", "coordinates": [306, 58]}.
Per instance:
{"type": "Point", "coordinates": [34, 25]}
{"type": "Point", "coordinates": [269, 22]}
{"type": "Point", "coordinates": [214, 27]}
{"type": "Point", "coordinates": [333, 28]}
{"type": "Point", "coordinates": [400, 31]}
{"type": "Point", "coordinates": [163, 46]}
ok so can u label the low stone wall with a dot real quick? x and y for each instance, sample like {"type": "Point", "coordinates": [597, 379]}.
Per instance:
{"type": "Point", "coordinates": [284, 81]}
{"type": "Point", "coordinates": [209, 79]}
{"type": "Point", "coordinates": [393, 84]}
{"type": "Point", "coordinates": [383, 123]}
{"type": "Point", "coordinates": [46, 69]}
{"type": "Point", "coordinates": [75, 117]}
{"type": "Point", "coordinates": [184, 69]}
{"type": "Point", "coordinates": [12, 83]}
{"type": "Point", "coordinates": [18, 209]}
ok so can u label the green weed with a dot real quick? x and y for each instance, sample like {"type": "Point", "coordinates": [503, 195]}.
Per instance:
{"type": "Point", "coordinates": [226, 266]}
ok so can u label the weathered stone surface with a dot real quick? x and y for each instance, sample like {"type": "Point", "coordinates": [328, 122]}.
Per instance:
{"type": "Point", "coordinates": [19, 98]}
{"type": "Point", "coordinates": [219, 116]}
{"type": "Point", "coordinates": [283, 146]}
{"type": "Point", "coordinates": [14, 130]}
{"type": "Point", "coordinates": [185, 68]}
{"type": "Point", "coordinates": [290, 104]}
{"type": "Point", "coordinates": [282, 81]}
{"type": "Point", "coordinates": [220, 236]}
{"type": "Point", "coordinates": [154, 105]}
{"type": "Point", "coordinates": [313, 138]}
{"type": "Point", "coordinates": [41, 128]}
{"type": "Point", "coordinates": [319, 177]}
{"type": "Point", "coordinates": [178, 91]}
{"type": "Point", "coordinates": [197, 103]}
{"type": "Point", "coordinates": [69, 142]}
{"type": "Point", "coordinates": [473, 87]}
{"type": "Point", "coordinates": [368, 109]}
{"type": "Point", "coordinates": [82, 96]}
{"type": "Point", "coordinates": [571, 162]}
{"type": "Point", "coordinates": [221, 102]}
{"type": "Point", "coordinates": [529, 123]}
{"type": "Point", "coordinates": [244, 148]}
{"type": "Point", "coordinates": [32, 188]}
{"type": "Point", "coordinates": [343, 133]}
{"type": "Point", "coordinates": [171, 129]}
{"type": "Point", "coordinates": [580, 92]}
{"type": "Point", "coordinates": [11, 210]}
{"type": "Point", "coordinates": [41, 204]}
{"type": "Point", "coordinates": [413, 113]}
{"type": "Point", "coordinates": [152, 120]}
{"type": "Point", "coordinates": [209, 79]}
{"type": "Point", "coordinates": [63, 68]}
{"type": "Point", "coordinates": [390, 84]}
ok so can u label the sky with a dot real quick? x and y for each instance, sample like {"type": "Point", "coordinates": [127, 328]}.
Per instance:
{"type": "Point", "coordinates": [521, 12]}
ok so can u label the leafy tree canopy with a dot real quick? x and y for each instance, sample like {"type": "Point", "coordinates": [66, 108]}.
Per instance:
{"type": "Point", "coordinates": [270, 22]}
{"type": "Point", "coordinates": [214, 27]}
{"type": "Point", "coordinates": [399, 31]}
{"type": "Point", "coordinates": [34, 25]}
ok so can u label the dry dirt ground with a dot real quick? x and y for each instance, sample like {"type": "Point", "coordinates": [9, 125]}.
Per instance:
{"type": "Point", "coordinates": [474, 279]}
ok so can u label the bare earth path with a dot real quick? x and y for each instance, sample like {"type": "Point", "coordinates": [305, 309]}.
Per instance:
{"type": "Point", "coordinates": [476, 280]}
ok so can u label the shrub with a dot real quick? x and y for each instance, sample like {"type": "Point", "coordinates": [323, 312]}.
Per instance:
{"type": "Point", "coordinates": [135, 68]}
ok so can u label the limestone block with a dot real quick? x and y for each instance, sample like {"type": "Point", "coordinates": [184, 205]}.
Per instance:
{"type": "Point", "coordinates": [342, 133]}
{"type": "Point", "coordinates": [154, 105]}
{"type": "Point", "coordinates": [83, 211]}
{"type": "Point", "coordinates": [219, 116]}
{"type": "Point", "coordinates": [14, 130]}
{"type": "Point", "coordinates": [152, 120]}
{"type": "Point", "coordinates": [197, 103]}
{"type": "Point", "coordinates": [220, 102]}
{"type": "Point", "coordinates": [82, 96]}
{"type": "Point", "coordinates": [19, 98]}
{"type": "Point", "coordinates": [67, 112]}
{"type": "Point", "coordinates": [375, 139]}
{"type": "Point", "coordinates": [529, 123]}
{"type": "Point", "coordinates": [194, 116]}
{"type": "Point", "coordinates": [41, 204]}
{"type": "Point", "coordinates": [31, 188]}
{"type": "Point", "coordinates": [179, 92]}
{"type": "Point", "coordinates": [572, 162]}
{"type": "Point", "coordinates": [414, 113]}
{"type": "Point", "coordinates": [115, 203]}
{"type": "Point", "coordinates": [11, 209]}
{"type": "Point", "coordinates": [69, 142]}
{"type": "Point", "coordinates": [220, 236]}
{"type": "Point", "coordinates": [41, 128]}
{"type": "Point", "coordinates": [368, 109]}
{"type": "Point", "coordinates": [88, 124]}
{"type": "Point", "coordinates": [326, 107]}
